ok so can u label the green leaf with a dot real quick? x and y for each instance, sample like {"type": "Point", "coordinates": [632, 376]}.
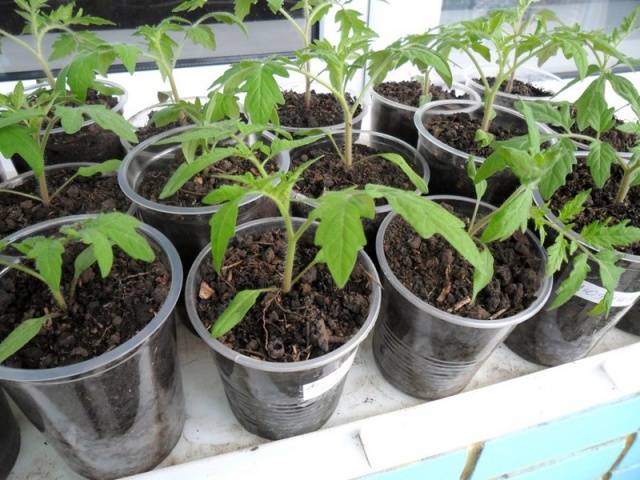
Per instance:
{"type": "Point", "coordinates": [202, 35]}
{"type": "Point", "coordinates": [225, 193]}
{"type": "Point", "coordinates": [610, 275]}
{"type": "Point", "coordinates": [557, 114]}
{"type": "Point", "coordinates": [340, 234]}
{"type": "Point", "coordinates": [572, 283]}
{"type": "Point", "coordinates": [602, 235]}
{"type": "Point", "coordinates": [128, 55]}
{"type": "Point", "coordinates": [110, 120]}
{"type": "Point", "coordinates": [599, 160]}
{"type": "Point", "coordinates": [573, 207]}
{"type": "Point", "coordinates": [186, 171]}
{"type": "Point", "coordinates": [483, 273]}
{"type": "Point", "coordinates": [17, 139]}
{"type": "Point", "coordinates": [263, 93]}
{"type": "Point", "coordinates": [243, 7]}
{"type": "Point", "coordinates": [274, 5]}
{"type": "Point", "coordinates": [591, 107]}
{"type": "Point", "coordinates": [81, 74]}
{"type": "Point", "coordinates": [627, 91]}
{"type": "Point", "coordinates": [511, 216]}
{"type": "Point", "coordinates": [401, 163]}
{"type": "Point", "coordinates": [223, 226]}
{"type": "Point", "coordinates": [557, 255]}
{"type": "Point", "coordinates": [121, 229]}
{"type": "Point", "coordinates": [559, 160]}
{"type": "Point", "coordinates": [47, 254]}
{"type": "Point", "coordinates": [235, 312]}
{"type": "Point", "coordinates": [63, 46]}
{"type": "Point", "coordinates": [23, 334]}
{"type": "Point", "coordinates": [71, 119]}
{"type": "Point", "coordinates": [14, 117]}
{"type": "Point", "coordinates": [102, 250]}
{"type": "Point", "coordinates": [108, 166]}
{"type": "Point", "coordinates": [83, 262]}
{"type": "Point", "coordinates": [481, 185]}
{"type": "Point", "coordinates": [532, 129]}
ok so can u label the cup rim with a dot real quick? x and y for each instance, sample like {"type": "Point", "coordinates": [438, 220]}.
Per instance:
{"type": "Point", "coordinates": [469, 76]}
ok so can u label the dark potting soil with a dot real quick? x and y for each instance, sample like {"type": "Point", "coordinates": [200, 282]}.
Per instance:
{"type": "Point", "coordinates": [601, 203]}
{"type": "Point", "coordinates": [409, 92]}
{"type": "Point", "coordinates": [105, 314]}
{"type": "Point", "coordinates": [437, 274]}
{"type": "Point", "coordinates": [151, 130]}
{"type": "Point", "coordinates": [459, 129]}
{"type": "Point", "coordinates": [519, 87]}
{"type": "Point", "coordinates": [330, 172]}
{"type": "Point", "coordinates": [191, 194]}
{"type": "Point", "coordinates": [325, 110]}
{"type": "Point", "coordinates": [85, 195]}
{"type": "Point", "coordinates": [314, 318]}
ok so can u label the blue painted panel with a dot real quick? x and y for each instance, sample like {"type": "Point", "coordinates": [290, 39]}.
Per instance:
{"type": "Point", "coordinates": [629, 474]}
{"type": "Point", "coordinates": [445, 466]}
{"type": "Point", "coordinates": [589, 464]}
{"type": "Point", "coordinates": [558, 439]}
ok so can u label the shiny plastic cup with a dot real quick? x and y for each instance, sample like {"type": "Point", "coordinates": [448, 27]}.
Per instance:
{"type": "Point", "coordinates": [396, 119]}
{"type": "Point", "coordinates": [9, 437]}
{"type": "Point", "coordinates": [122, 412]}
{"type": "Point", "coordinates": [280, 400]}
{"type": "Point", "coordinates": [570, 332]}
{"type": "Point", "coordinates": [429, 353]}
{"type": "Point", "coordinates": [448, 164]}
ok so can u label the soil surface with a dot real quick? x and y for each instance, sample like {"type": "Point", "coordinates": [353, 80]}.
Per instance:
{"type": "Point", "coordinates": [519, 87]}
{"type": "Point", "coordinates": [83, 195]}
{"type": "Point", "coordinates": [105, 314]}
{"type": "Point", "coordinates": [409, 92]}
{"type": "Point", "coordinates": [330, 173]}
{"type": "Point", "coordinates": [191, 194]}
{"type": "Point", "coordinates": [314, 318]}
{"type": "Point", "coordinates": [437, 274]}
{"type": "Point", "coordinates": [151, 130]}
{"type": "Point", "coordinates": [325, 110]}
{"type": "Point", "coordinates": [459, 129]}
{"type": "Point", "coordinates": [601, 203]}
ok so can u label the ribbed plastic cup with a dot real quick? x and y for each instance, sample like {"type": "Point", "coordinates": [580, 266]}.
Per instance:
{"type": "Point", "coordinates": [396, 119]}
{"type": "Point", "coordinates": [533, 76]}
{"type": "Point", "coordinates": [569, 333]}
{"type": "Point", "coordinates": [280, 400]}
{"type": "Point", "coordinates": [122, 412]}
{"type": "Point", "coordinates": [80, 151]}
{"type": "Point", "coordinates": [429, 353]}
{"type": "Point", "coordinates": [187, 227]}
{"type": "Point", "coordinates": [9, 437]}
{"type": "Point", "coordinates": [448, 164]}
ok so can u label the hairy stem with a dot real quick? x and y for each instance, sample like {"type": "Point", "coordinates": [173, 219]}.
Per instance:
{"type": "Point", "coordinates": [488, 107]}
{"type": "Point", "coordinates": [307, 66]}
{"type": "Point", "coordinates": [475, 215]}
{"type": "Point", "coordinates": [44, 190]}
{"type": "Point", "coordinates": [348, 140]}
{"type": "Point", "coordinates": [287, 281]}
{"type": "Point", "coordinates": [627, 180]}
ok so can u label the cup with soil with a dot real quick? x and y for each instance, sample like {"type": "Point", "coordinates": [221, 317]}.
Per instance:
{"type": "Point", "coordinates": [284, 366]}
{"type": "Point", "coordinates": [102, 381]}
{"type": "Point", "coordinates": [394, 104]}
{"type": "Point", "coordinates": [9, 437]}
{"type": "Point", "coordinates": [90, 142]}
{"type": "Point", "coordinates": [570, 332]}
{"type": "Point", "coordinates": [96, 194]}
{"type": "Point", "coordinates": [431, 339]}
{"type": "Point", "coordinates": [447, 132]}
{"type": "Point", "coordinates": [183, 218]}
{"type": "Point", "coordinates": [325, 113]}
{"type": "Point", "coordinates": [530, 84]}
{"type": "Point", "coordinates": [331, 173]}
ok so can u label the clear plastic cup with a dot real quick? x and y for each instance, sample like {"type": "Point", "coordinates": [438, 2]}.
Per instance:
{"type": "Point", "coordinates": [9, 437]}
{"type": "Point", "coordinates": [396, 119]}
{"type": "Point", "coordinates": [122, 412]}
{"type": "Point", "coordinates": [429, 353]}
{"type": "Point", "coordinates": [279, 400]}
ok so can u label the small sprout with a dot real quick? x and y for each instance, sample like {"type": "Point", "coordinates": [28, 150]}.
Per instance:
{"type": "Point", "coordinates": [43, 260]}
